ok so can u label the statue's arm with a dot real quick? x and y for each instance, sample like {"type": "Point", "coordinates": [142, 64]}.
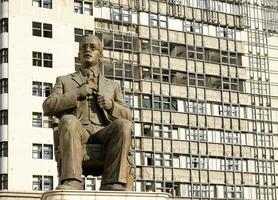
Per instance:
{"type": "Point", "coordinates": [119, 109]}
{"type": "Point", "coordinates": [58, 101]}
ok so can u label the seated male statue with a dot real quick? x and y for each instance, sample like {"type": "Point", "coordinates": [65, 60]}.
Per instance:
{"type": "Point", "coordinates": [91, 109]}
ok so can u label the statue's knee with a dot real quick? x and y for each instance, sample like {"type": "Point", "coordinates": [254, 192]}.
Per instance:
{"type": "Point", "coordinates": [68, 120]}
{"type": "Point", "coordinates": [123, 127]}
{"type": "Point", "coordinates": [122, 124]}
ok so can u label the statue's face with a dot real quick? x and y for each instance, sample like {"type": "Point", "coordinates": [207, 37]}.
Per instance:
{"type": "Point", "coordinates": [89, 55]}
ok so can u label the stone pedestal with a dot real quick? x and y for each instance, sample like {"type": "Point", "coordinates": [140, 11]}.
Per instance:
{"type": "Point", "coordinates": [17, 195]}
{"type": "Point", "coordinates": [103, 195]}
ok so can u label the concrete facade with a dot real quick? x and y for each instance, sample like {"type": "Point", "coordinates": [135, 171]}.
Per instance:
{"type": "Point", "coordinates": [199, 76]}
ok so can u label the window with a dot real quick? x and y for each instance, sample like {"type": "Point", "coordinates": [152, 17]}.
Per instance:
{"type": "Point", "coordinates": [231, 165]}
{"type": "Point", "coordinates": [44, 29]}
{"type": "Point", "coordinates": [37, 28]}
{"type": "Point", "coordinates": [147, 130]}
{"type": "Point", "coordinates": [37, 58]}
{"type": "Point", "coordinates": [41, 121]}
{"type": "Point", "coordinates": [42, 59]}
{"type": "Point", "coordinates": [47, 88]}
{"type": "Point", "coordinates": [43, 3]}
{"type": "Point", "coordinates": [3, 85]}
{"type": "Point", "coordinates": [78, 33]}
{"type": "Point", "coordinates": [229, 111]}
{"type": "Point", "coordinates": [3, 181]}
{"type": "Point", "coordinates": [4, 25]}
{"type": "Point", "coordinates": [147, 103]}
{"type": "Point", "coordinates": [42, 183]}
{"type": "Point", "coordinates": [47, 60]}
{"type": "Point", "coordinates": [233, 192]}
{"type": "Point", "coordinates": [3, 149]}
{"type": "Point", "coordinates": [192, 27]}
{"type": "Point", "coordinates": [82, 7]}
{"type": "Point", "coordinates": [4, 56]}
{"type": "Point", "coordinates": [37, 119]}
{"type": "Point", "coordinates": [154, 20]}
{"type": "Point", "coordinates": [37, 89]}
{"type": "Point", "coordinates": [157, 131]}
{"type": "Point", "coordinates": [3, 117]}
{"type": "Point", "coordinates": [41, 89]}
{"type": "Point", "coordinates": [47, 152]}
{"type": "Point", "coordinates": [196, 107]}
{"type": "Point", "coordinates": [40, 151]}
{"type": "Point", "coordinates": [121, 15]}
{"type": "Point", "coordinates": [88, 8]}
{"type": "Point", "coordinates": [47, 30]}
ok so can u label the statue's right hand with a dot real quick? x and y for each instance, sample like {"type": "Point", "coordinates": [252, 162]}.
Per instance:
{"type": "Point", "coordinates": [84, 91]}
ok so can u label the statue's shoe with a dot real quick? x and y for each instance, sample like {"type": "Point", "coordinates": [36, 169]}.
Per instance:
{"type": "Point", "coordinates": [70, 185]}
{"type": "Point", "coordinates": [113, 187]}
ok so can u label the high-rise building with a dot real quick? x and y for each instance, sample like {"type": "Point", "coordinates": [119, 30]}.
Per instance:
{"type": "Point", "coordinates": [199, 76]}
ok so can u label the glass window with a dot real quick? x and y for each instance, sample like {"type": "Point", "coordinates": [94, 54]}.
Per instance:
{"type": "Point", "coordinates": [4, 25]}
{"type": "Point", "coordinates": [154, 20]}
{"type": "Point", "coordinates": [3, 117]}
{"type": "Point", "coordinates": [78, 7]}
{"type": "Point", "coordinates": [47, 60]}
{"type": "Point", "coordinates": [3, 85]}
{"type": "Point", "coordinates": [147, 101]}
{"type": "Point", "coordinates": [47, 30]}
{"type": "Point", "coordinates": [78, 33]}
{"type": "Point", "coordinates": [37, 151]}
{"type": "Point", "coordinates": [3, 181]}
{"type": "Point", "coordinates": [4, 56]}
{"type": "Point", "coordinates": [37, 29]}
{"type": "Point", "coordinates": [47, 4]}
{"type": "Point", "coordinates": [37, 58]}
{"type": "Point", "coordinates": [37, 183]}
{"type": "Point", "coordinates": [88, 8]}
{"type": "Point", "coordinates": [37, 119]}
{"type": "Point", "coordinates": [47, 183]}
{"type": "Point", "coordinates": [3, 149]}
{"type": "Point", "coordinates": [47, 88]}
{"type": "Point", "coordinates": [37, 3]}
{"type": "Point", "coordinates": [47, 122]}
{"type": "Point", "coordinates": [37, 89]}
{"type": "Point", "coordinates": [47, 152]}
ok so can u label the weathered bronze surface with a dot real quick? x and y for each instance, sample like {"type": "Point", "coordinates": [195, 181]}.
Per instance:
{"type": "Point", "coordinates": [90, 109]}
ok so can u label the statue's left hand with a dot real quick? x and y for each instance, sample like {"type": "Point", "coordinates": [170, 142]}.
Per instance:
{"type": "Point", "coordinates": [104, 103]}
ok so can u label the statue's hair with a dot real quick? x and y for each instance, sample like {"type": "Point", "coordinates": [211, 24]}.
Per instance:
{"type": "Point", "coordinates": [99, 45]}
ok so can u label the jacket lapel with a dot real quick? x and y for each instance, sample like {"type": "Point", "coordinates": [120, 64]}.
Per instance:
{"type": "Point", "coordinates": [78, 78]}
{"type": "Point", "coordinates": [101, 84]}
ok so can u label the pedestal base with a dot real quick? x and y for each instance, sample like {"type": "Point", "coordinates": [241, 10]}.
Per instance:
{"type": "Point", "coordinates": [103, 195]}
{"type": "Point", "coordinates": [17, 195]}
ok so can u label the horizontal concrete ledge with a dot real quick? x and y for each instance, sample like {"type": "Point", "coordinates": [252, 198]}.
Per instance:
{"type": "Point", "coordinates": [103, 195]}
{"type": "Point", "coordinates": [18, 195]}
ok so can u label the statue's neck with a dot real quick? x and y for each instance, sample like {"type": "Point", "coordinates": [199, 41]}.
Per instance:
{"type": "Point", "coordinates": [94, 68]}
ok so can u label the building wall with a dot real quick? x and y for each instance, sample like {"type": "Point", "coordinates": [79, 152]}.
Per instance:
{"type": "Point", "coordinates": [201, 83]}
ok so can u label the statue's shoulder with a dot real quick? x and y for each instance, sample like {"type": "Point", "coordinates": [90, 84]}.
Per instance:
{"type": "Point", "coordinates": [68, 76]}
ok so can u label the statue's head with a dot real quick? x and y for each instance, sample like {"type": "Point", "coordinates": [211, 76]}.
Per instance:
{"type": "Point", "coordinates": [90, 50]}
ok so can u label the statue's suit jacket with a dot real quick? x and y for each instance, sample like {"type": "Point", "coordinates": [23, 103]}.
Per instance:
{"type": "Point", "coordinates": [63, 100]}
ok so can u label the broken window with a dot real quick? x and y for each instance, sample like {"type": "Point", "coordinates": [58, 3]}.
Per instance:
{"type": "Point", "coordinates": [178, 78]}
{"type": "Point", "coordinates": [177, 50]}
{"type": "Point", "coordinates": [147, 130]}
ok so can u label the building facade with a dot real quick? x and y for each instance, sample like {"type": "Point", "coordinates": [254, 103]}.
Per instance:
{"type": "Point", "coordinates": [199, 76]}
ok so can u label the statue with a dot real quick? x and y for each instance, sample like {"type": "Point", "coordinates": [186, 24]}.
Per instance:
{"type": "Point", "coordinates": [91, 109]}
